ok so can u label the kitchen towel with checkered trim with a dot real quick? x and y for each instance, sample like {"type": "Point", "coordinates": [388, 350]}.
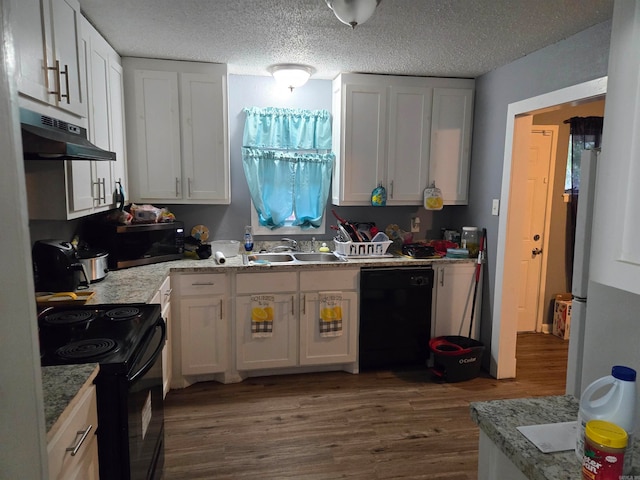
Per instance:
{"type": "Point", "coordinates": [262, 316]}
{"type": "Point", "coordinates": [330, 314]}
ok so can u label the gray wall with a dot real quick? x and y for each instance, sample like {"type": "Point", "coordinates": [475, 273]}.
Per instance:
{"type": "Point", "coordinates": [575, 60]}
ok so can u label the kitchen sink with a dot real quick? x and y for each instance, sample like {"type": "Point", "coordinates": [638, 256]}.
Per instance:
{"type": "Point", "coordinates": [318, 257]}
{"type": "Point", "coordinates": [272, 257]}
{"type": "Point", "coordinates": [298, 257]}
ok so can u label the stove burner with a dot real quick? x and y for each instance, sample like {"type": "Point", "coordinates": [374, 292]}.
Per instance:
{"type": "Point", "coordinates": [88, 348]}
{"type": "Point", "coordinates": [70, 317]}
{"type": "Point", "coordinates": [122, 313]}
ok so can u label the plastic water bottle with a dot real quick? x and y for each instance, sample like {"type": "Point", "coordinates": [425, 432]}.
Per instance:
{"type": "Point", "coordinates": [248, 238]}
{"type": "Point", "coordinates": [616, 404]}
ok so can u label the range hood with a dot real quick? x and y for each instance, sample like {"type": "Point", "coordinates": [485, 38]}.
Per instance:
{"type": "Point", "coordinates": [46, 138]}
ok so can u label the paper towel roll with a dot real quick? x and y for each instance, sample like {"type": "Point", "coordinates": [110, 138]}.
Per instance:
{"type": "Point", "coordinates": [220, 258]}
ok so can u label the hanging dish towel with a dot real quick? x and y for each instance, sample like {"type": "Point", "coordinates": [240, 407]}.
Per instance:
{"type": "Point", "coordinates": [262, 316]}
{"type": "Point", "coordinates": [330, 314]}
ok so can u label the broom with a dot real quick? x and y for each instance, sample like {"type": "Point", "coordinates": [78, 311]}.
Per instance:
{"type": "Point", "coordinates": [475, 287]}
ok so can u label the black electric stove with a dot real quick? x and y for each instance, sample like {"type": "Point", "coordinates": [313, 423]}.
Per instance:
{"type": "Point", "coordinates": [126, 340]}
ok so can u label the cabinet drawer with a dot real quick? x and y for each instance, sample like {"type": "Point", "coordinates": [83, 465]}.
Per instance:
{"type": "Point", "coordinates": [339, 279]}
{"type": "Point", "coordinates": [82, 416]}
{"type": "Point", "coordinates": [248, 283]}
{"type": "Point", "coordinates": [202, 284]}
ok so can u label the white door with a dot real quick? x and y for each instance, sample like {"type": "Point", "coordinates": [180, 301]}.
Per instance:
{"type": "Point", "coordinates": [534, 213]}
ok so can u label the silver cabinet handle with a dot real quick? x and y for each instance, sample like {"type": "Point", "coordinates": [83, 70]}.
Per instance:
{"type": "Point", "coordinates": [304, 304]}
{"type": "Point", "coordinates": [391, 189]}
{"type": "Point", "coordinates": [441, 273]}
{"type": "Point", "coordinates": [75, 448]}
{"type": "Point", "coordinates": [189, 186]}
{"type": "Point", "coordinates": [292, 306]}
{"type": "Point", "coordinates": [56, 92]}
{"type": "Point", "coordinates": [221, 314]}
{"type": "Point", "coordinates": [199, 284]}
{"type": "Point", "coordinates": [65, 72]}
{"type": "Point", "coordinates": [177, 187]}
{"type": "Point", "coordinates": [103, 197]}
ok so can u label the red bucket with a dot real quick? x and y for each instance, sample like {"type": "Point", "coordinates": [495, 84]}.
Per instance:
{"type": "Point", "coordinates": [456, 358]}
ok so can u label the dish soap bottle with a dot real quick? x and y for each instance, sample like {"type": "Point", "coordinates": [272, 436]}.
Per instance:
{"type": "Point", "coordinates": [324, 248]}
{"type": "Point", "coordinates": [248, 239]}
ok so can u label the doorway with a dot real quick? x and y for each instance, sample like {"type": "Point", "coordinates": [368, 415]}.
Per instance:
{"type": "Point", "coordinates": [520, 119]}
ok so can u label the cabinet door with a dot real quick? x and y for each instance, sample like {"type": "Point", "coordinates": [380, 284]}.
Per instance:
{"type": "Point", "coordinates": [29, 41]}
{"type": "Point", "coordinates": [452, 300]}
{"type": "Point", "coordinates": [204, 148]}
{"type": "Point", "coordinates": [97, 63]}
{"type": "Point", "coordinates": [203, 335]}
{"type": "Point", "coordinates": [157, 174]}
{"type": "Point", "coordinates": [363, 143]}
{"type": "Point", "coordinates": [316, 349]}
{"type": "Point", "coordinates": [65, 25]}
{"type": "Point", "coordinates": [451, 143]}
{"type": "Point", "coordinates": [166, 351]}
{"type": "Point", "coordinates": [278, 350]}
{"type": "Point", "coordinates": [408, 152]}
{"type": "Point", "coordinates": [116, 117]}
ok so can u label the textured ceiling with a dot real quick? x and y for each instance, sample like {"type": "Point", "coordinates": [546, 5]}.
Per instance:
{"type": "Point", "coordinates": [448, 38]}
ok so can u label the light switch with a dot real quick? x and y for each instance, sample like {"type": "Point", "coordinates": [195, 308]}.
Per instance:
{"type": "Point", "coordinates": [495, 206]}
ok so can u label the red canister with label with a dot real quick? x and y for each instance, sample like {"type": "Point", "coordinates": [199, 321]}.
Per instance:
{"type": "Point", "coordinates": [604, 446]}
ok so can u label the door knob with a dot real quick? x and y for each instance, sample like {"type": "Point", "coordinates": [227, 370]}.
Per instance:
{"type": "Point", "coordinates": [536, 251]}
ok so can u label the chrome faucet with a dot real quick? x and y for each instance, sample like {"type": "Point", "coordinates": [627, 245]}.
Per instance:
{"type": "Point", "coordinates": [291, 247]}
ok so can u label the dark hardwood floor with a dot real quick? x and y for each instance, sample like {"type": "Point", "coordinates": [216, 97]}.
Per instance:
{"type": "Point", "coordinates": [375, 425]}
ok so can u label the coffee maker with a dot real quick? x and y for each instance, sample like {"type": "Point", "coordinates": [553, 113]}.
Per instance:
{"type": "Point", "coordinates": [57, 267]}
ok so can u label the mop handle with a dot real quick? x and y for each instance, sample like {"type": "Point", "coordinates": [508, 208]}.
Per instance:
{"type": "Point", "coordinates": [480, 254]}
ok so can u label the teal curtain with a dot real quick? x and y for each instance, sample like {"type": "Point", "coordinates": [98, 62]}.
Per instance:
{"type": "Point", "coordinates": [287, 128]}
{"type": "Point", "coordinates": [283, 174]}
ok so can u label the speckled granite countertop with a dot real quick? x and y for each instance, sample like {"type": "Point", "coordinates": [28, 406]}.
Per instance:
{"type": "Point", "coordinates": [498, 419]}
{"type": "Point", "coordinates": [60, 385]}
{"type": "Point", "coordinates": [139, 284]}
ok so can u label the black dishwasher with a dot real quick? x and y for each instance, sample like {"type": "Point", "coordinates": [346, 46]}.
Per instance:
{"type": "Point", "coordinates": [395, 317]}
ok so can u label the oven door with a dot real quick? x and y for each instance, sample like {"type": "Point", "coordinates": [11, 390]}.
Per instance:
{"type": "Point", "coordinates": [145, 409]}
{"type": "Point", "coordinates": [130, 412]}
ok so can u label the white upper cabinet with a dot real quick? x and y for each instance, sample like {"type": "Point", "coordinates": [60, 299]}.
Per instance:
{"type": "Point", "coordinates": [615, 256]}
{"type": "Point", "coordinates": [385, 131]}
{"type": "Point", "coordinates": [177, 131]}
{"type": "Point", "coordinates": [47, 40]}
{"type": "Point", "coordinates": [75, 188]}
{"type": "Point", "coordinates": [451, 143]}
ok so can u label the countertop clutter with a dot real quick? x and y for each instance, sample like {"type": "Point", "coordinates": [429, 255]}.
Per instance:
{"type": "Point", "coordinates": [138, 285]}
{"type": "Point", "coordinates": [498, 420]}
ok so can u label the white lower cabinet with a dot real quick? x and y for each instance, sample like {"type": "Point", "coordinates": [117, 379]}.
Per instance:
{"type": "Point", "coordinates": [280, 348]}
{"type": "Point", "coordinates": [73, 448]}
{"type": "Point", "coordinates": [202, 324]}
{"type": "Point", "coordinates": [296, 339]}
{"type": "Point", "coordinates": [163, 298]}
{"type": "Point", "coordinates": [452, 299]}
{"type": "Point", "coordinates": [316, 349]}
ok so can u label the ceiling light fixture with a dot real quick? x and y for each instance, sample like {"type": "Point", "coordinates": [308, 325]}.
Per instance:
{"type": "Point", "coordinates": [353, 12]}
{"type": "Point", "coordinates": [291, 75]}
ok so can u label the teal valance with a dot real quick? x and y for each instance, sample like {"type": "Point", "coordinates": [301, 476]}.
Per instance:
{"type": "Point", "coordinates": [287, 128]}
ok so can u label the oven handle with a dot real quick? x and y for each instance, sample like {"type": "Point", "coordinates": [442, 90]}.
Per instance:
{"type": "Point", "coordinates": [149, 363]}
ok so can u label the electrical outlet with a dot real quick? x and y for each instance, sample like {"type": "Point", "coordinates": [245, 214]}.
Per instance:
{"type": "Point", "coordinates": [495, 207]}
{"type": "Point", "coordinates": [415, 225]}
